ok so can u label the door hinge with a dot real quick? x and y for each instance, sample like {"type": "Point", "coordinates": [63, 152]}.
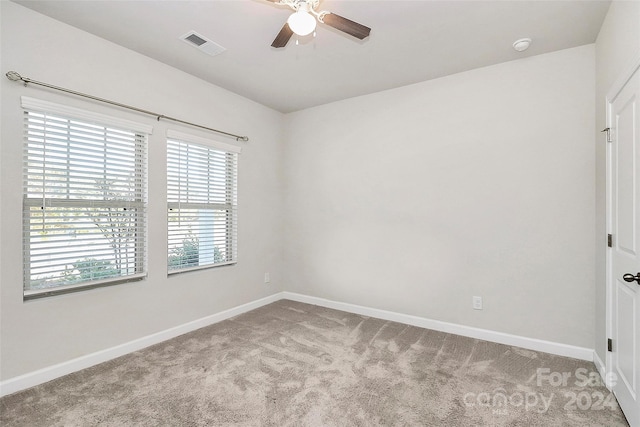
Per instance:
{"type": "Point", "coordinates": [609, 240]}
{"type": "Point", "coordinates": [609, 344]}
{"type": "Point", "coordinates": [608, 131]}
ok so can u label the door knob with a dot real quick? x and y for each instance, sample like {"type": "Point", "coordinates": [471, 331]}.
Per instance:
{"type": "Point", "coordinates": [631, 278]}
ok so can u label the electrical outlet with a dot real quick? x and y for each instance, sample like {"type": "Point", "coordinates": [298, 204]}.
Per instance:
{"type": "Point", "coordinates": [267, 279]}
{"type": "Point", "coordinates": [477, 303]}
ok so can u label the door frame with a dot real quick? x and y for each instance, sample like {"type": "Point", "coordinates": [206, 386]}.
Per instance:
{"type": "Point", "coordinates": [613, 92]}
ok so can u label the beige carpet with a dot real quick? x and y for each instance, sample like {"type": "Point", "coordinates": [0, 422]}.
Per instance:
{"type": "Point", "coordinates": [293, 364]}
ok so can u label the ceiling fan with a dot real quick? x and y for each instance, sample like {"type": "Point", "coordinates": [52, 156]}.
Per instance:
{"type": "Point", "coordinates": [303, 21]}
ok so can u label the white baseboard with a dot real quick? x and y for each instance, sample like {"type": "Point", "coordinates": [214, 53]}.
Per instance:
{"type": "Point", "coordinates": [41, 376]}
{"type": "Point", "coordinates": [452, 328]}
{"type": "Point", "coordinates": [602, 369]}
{"type": "Point", "coordinates": [599, 364]}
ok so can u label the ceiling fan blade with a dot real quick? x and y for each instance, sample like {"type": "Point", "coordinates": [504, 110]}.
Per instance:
{"type": "Point", "coordinates": [283, 36]}
{"type": "Point", "coordinates": [346, 25]}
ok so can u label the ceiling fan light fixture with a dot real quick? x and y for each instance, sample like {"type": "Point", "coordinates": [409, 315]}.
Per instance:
{"type": "Point", "coordinates": [302, 22]}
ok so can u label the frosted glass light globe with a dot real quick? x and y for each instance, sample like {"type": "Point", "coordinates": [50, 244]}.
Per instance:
{"type": "Point", "coordinates": [302, 22]}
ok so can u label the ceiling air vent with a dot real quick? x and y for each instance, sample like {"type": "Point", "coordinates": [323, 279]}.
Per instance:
{"type": "Point", "coordinates": [202, 43]}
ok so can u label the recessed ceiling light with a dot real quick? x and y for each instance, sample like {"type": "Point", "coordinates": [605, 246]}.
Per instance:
{"type": "Point", "coordinates": [522, 44]}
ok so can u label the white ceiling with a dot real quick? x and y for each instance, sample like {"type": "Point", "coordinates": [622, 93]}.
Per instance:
{"type": "Point", "coordinates": [410, 42]}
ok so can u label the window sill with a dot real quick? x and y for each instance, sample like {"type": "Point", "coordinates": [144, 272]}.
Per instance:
{"type": "Point", "coordinates": [45, 293]}
{"type": "Point", "coordinates": [204, 267]}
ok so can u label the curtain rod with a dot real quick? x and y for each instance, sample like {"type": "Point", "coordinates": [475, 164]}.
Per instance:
{"type": "Point", "coordinates": [14, 76]}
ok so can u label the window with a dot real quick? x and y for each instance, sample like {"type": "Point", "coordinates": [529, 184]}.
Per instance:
{"type": "Point", "coordinates": [84, 199]}
{"type": "Point", "coordinates": [202, 205]}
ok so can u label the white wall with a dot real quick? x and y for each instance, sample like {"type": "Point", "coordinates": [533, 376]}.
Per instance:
{"type": "Point", "coordinates": [617, 46]}
{"type": "Point", "coordinates": [40, 333]}
{"type": "Point", "coordinates": [482, 183]}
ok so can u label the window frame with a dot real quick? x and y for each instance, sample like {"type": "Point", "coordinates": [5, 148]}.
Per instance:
{"type": "Point", "coordinates": [85, 117]}
{"type": "Point", "coordinates": [231, 153]}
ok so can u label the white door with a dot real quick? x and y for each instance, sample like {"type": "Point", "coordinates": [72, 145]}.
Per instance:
{"type": "Point", "coordinates": [623, 118]}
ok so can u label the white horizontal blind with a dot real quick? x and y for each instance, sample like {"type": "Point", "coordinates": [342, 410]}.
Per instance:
{"type": "Point", "coordinates": [84, 202]}
{"type": "Point", "coordinates": [202, 205]}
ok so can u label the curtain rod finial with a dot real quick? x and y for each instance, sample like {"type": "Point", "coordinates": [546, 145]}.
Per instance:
{"type": "Point", "coordinates": [13, 76]}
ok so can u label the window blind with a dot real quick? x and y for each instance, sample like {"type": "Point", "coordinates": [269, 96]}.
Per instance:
{"type": "Point", "coordinates": [202, 204]}
{"type": "Point", "coordinates": [84, 204]}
